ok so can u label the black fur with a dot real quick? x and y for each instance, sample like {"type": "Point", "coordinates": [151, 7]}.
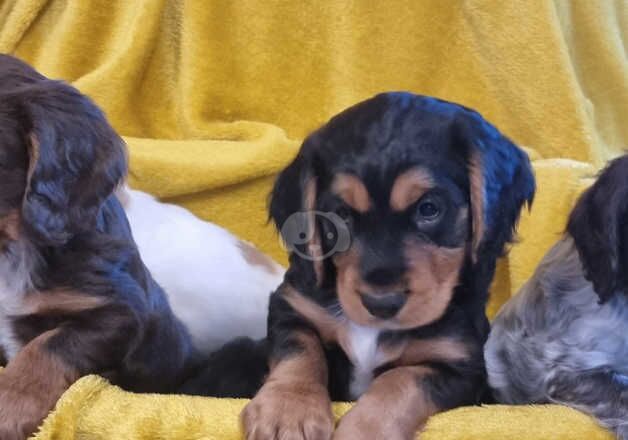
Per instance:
{"type": "Point", "coordinates": [599, 226]}
{"type": "Point", "coordinates": [80, 158]}
{"type": "Point", "coordinates": [237, 369]}
{"type": "Point", "coordinates": [60, 162]}
{"type": "Point", "coordinates": [377, 140]}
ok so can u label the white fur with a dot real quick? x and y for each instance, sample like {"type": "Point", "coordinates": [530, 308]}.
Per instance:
{"type": "Point", "coordinates": [365, 356]}
{"type": "Point", "coordinates": [210, 285]}
{"type": "Point", "coordinates": [15, 281]}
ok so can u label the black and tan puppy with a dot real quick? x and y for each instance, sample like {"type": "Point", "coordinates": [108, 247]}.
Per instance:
{"type": "Point", "coordinates": [75, 297]}
{"type": "Point", "coordinates": [395, 212]}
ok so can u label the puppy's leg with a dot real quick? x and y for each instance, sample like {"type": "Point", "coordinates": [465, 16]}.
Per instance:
{"type": "Point", "coordinates": [399, 402]}
{"type": "Point", "coordinates": [92, 338]}
{"type": "Point", "coordinates": [394, 407]}
{"type": "Point", "coordinates": [294, 402]}
{"type": "Point", "coordinates": [30, 387]}
{"type": "Point", "coordinates": [600, 394]}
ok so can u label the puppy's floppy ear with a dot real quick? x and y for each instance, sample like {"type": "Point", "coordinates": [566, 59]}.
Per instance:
{"type": "Point", "coordinates": [501, 181]}
{"type": "Point", "coordinates": [292, 209]}
{"type": "Point", "coordinates": [599, 227]}
{"type": "Point", "coordinates": [75, 161]}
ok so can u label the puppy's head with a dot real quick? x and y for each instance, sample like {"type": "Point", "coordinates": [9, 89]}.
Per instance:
{"type": "Point", "coordinates": [599, 227]}
{"type": "Point", "coordinates": [59, 158]}
{"type": "Point", "coordinates": [392, 198]}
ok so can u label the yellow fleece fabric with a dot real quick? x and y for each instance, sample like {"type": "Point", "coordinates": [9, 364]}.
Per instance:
{"type": "Point", "coordinates": [95, 410]}
{"type": "Point", "coordinates": [214, 97]}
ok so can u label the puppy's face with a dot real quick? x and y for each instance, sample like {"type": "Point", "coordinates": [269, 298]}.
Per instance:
{"type": "Point", "coordinates": [59, 158]}
{"type": "Point", "coordinates": [415, 183]}
{"type": "Point", "coordinates": [409, 230]}
{"type": "Point", "coordinates": [599, 227]}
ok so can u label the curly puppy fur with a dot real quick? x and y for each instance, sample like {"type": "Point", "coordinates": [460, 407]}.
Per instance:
{"type": "Point", "coordinates": [563, 337]}
{"type": "Point", "coordinates": [75, 297]}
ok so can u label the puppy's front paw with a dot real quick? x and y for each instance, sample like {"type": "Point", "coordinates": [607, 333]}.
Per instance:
{"type": "Point", "coordinates": [289, 412]}
{"type": "Point", "coordinates": [21, 412]}
{"type": "Point", "coordinates": [360, 424]}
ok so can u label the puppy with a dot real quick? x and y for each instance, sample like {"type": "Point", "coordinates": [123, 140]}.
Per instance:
{"type": "Point", "coordinates": [395, 212]}
{"type": "Point", "coordinates": [564, 337]}
{"type": "Point", "coordinates": [216, 284]}
{"type": "Point", "coordinates": [75, 297]}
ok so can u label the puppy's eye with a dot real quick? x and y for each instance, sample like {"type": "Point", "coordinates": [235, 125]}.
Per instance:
{"type": "Point", "coordinates": [428, 209]}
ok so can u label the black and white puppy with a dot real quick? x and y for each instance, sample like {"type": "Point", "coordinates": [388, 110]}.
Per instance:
{"type": "Point", "coordinates": [564, 337]}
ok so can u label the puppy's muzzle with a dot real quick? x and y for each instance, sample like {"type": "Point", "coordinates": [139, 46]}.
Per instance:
{"type": "Point", "coordinates": [385, 305]}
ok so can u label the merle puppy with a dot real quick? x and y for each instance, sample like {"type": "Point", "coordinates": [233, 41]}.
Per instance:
{"type": "Point", "coordinates": [75, 297]}
{"type": "Point", "coordinates": [564, 337]}
{"type": "Point", "coordinates": [395, 212]}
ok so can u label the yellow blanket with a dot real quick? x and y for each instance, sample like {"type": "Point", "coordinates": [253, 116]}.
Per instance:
{"type": "Point", "coordinates": [214, 96]}
{"type": "Point", "coordinates": [95, 410]}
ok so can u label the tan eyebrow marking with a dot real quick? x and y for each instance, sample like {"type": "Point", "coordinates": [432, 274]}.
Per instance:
{"type": "Point", "coordinates": [352, 191]}
{"type": "Point", "coordinates": [409, 187]}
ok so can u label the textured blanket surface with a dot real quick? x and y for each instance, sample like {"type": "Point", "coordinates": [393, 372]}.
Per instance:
{"type": "Point", "coordinates": [213, 98]}
{"type": "Point", "coordinates": [95, 410]}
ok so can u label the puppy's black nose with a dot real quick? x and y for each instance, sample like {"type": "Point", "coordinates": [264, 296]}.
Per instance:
{"type": "Point", "coordinates": [385, 305]}
{"type": "Point", "coordinates": [382, 275]}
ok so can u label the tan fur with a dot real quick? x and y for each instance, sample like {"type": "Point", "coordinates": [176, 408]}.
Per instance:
{"type": "Point", "coordinates": [256, 258]}
{"type": "Point", "coordinates": [331, 329]}
{"type": "Point", "coordinates": [432, 276]}
{"type": "Point", "coordinates": [314, 246]}
{"type": "Point", "coordinates": [30, 386]}
{"type": "Point", "coordinates": [60, 302]}
{"type": "Point", "coordinates": [409, 187]}
{"type": "Point", "coordinates": [10, 226]}
{"type": "Point", "coordinates": [438, 349]}
{"type": "Point", "coordinates": [352, 191]}
{"type": "Point", "coordinates": [406, 352]}
{"type": "Point", "coordinates": [33, 158]}
{"type": "Point", "coordinates": [393, 408]}
{"type": "Point", "coordinates": [476, 189]}
{"type": "Point", "coordinates": [327, 326]}
{"type": "Point", "coordinates": [294, 398]}
{"type": "Point", "coordinates": [348, 283]}
{"type": "Point", "coordinates": [308, 365]}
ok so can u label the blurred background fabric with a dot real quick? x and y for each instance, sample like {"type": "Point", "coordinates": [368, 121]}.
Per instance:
{"type": "Point", "coordinates": [214, 97]}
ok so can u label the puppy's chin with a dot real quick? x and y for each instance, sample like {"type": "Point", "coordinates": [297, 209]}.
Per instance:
{"type": "Point", "coordinates": [351, 306]}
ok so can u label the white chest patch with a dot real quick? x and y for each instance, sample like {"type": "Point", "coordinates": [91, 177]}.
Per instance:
{"type": "Point", "coordinates": [365, 356]}
{"type": "Point", "coordinates": [14, 283]}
